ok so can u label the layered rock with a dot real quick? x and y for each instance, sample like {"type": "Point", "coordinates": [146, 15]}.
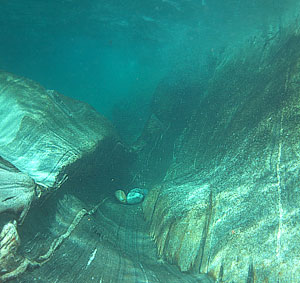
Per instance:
{"type": "Point", "coordinates": [229, 201]}
{"type": "Point", "coordinates": [108, 243]}
{"type": "Point", "coordinates": [60, 148]}
{"type": "Point", "coordinates": [44, 132]}
{"type": "Point", "coordinates": [18, 191]}
{"type": "Point", "coordinates": [47, 139]}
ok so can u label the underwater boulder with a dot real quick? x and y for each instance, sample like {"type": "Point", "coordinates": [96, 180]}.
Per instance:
{"type": "Point", "coordinates": [43, 132]}
{"type": "Point", "coordinates": [47, 138]}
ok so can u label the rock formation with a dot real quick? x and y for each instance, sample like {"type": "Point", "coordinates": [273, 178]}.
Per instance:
{"type": "Point", "coordinates": [46, 139]}
{"type": "Point", "coordinates": [227, 201]}
{"type": "Point", "coordinates": [60, 162]}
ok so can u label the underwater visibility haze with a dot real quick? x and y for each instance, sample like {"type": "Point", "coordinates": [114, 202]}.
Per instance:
{"type": "Point", "coordinates": [149, 141]}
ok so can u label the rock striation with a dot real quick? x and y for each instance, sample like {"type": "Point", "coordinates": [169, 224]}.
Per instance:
{"type": "Point", "coordinates": [228, 201]}
{"type": "Point", "coordinates": [47, 140]}
{"type": "Point", "coordinates": [60, 163]}
{"type": "Point", "coordinates": [44, 132]}
{"type": "Point", "coordinates": [108, 243]}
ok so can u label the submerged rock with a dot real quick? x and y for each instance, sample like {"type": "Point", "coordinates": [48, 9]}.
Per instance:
{"type": "Point", "coordinates": [43, 132]}
{"type": "Point", "coordinates": [134, 198]}
{"type": "Point", "coordinates": [136, 195]}
{"type": "Point", "coordinates": [10, 241]}
{"type": "Point", "coordinates": [17, 191]}
{"type": "Point", "coordinates": [143, 192]}
{"type": "Point", "coordinates": [120, 196]}
{"type": "Point", "coordinates": [11, 263]}
{"type": "Point", "coordinates": [47, 139]}
{"type": "Point", "coordinates": [229, 201]}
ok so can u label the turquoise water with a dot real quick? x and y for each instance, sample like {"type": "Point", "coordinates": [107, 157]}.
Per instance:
{"type": "Point", "coordinates": [112, 54]}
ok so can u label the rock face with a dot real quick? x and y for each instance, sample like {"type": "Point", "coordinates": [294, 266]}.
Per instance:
{"type": "Point", "coordinates": [43, 132]}
{"type": "Point", "coordinates": [79, 234]}
{"type": "Point", "coordinates": [47, 139]}
{"type": "Point", "coordinates": [18, 191]}
{"type": "Point", "coordinates": [172, 105]}
{"type": "Point", "coordinates": [229, 203]}
{"type": "Point", "coordinates": [9, 243]}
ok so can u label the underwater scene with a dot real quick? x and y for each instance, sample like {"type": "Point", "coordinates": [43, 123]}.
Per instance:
{"type": "Point", "coordinates": [150, 141]}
